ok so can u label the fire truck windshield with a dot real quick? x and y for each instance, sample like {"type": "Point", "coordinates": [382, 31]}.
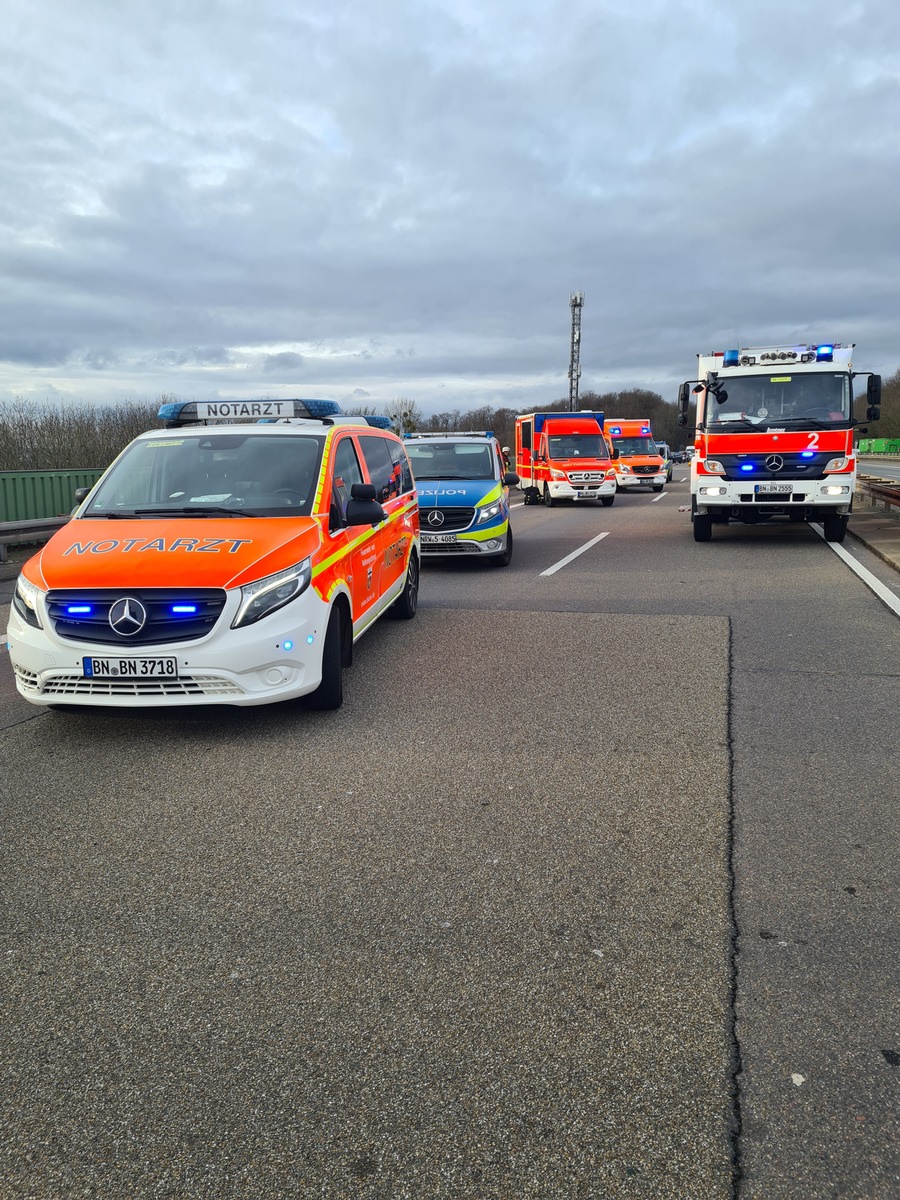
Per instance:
{"type": "Point", "coordinates": [791, 400]}
{"type": "Point", "coordinates": [577, 445]}
{"type": "Point", "coordinates": [629, 446]}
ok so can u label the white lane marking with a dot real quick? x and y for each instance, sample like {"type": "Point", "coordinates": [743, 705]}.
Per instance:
{"type": "Point", "coordinates": [520, 504]}
{"type": "Point", "coordinates": [659, 497]}
{"type": "Point", "coordinates": [575, 553]}
{"type": "Point", "coordinates": [870, 580]}
{"type": "Point", "coordinates": [683, 480]}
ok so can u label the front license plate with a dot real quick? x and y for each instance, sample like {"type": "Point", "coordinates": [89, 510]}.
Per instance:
{"type": "Point", "coordinates": [773, 489]}
{"type": "Point", "coordinates": [130, 668]}
{"type": "Point", "coordinates": [434, 539]}
{"type": "Point", "coordinates": [586, 495]}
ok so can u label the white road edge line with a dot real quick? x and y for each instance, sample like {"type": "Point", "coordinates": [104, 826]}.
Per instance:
{"type": "Point", "coordinates": [659, 497]}
{"type": "Point", "coordinates": [864, 574]}
{"type": "Point", "coordinates": [575, 553]}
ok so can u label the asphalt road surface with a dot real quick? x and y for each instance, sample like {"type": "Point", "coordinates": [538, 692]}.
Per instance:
{"type": "Point", "coordinates": [589, 890]}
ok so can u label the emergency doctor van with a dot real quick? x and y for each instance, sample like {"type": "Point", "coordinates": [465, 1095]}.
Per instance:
{"type": "Point", "coordinates": [233, 557]}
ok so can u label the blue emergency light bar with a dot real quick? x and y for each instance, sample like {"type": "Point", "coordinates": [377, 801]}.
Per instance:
{"type": "Point", "coordinates": [193, 412]}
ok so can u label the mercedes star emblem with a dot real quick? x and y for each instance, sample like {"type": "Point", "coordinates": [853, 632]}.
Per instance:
{"type": "Point", "coordinates": [774, 462]}
{"type": "Point", "coordinates": [435, 517]}
{"type": "Point", "coordinates": [127, 616]}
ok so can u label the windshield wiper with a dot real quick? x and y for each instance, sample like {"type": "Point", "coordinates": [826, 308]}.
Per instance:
{"type": "Point", "coordinates": [108, 516]}
{"type": "Point", "coordinates": [735, 421]}
{"type": "Point", "coordinates": [192, 511]}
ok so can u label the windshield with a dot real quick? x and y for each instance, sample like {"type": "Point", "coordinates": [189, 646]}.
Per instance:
{"type": "Point", "coordinates": [783, 401]}
{"type": "Point", "coordinates": [217, 473]}
{"type": "Point", "coordinates": [577, 445]}
{"type": "Point", "coordinates": [451, 460]}
{"type": "Point", "coordinates": [629, 446]}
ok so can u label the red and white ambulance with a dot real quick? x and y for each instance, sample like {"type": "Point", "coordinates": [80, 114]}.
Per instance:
{"type": "Point", "coordinates": [774, 438]}
{"type": "Point", "coordinates": [639, 462]}
{"type": "Point", "coordinates": [215, 562]}
{"type": "Point", "coordinates": [564, 456]}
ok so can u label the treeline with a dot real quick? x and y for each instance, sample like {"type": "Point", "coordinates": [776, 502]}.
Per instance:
{"type": "Point", "coordinates": [889, 425]}
{"type": "Point", "coordinates": [69, 436]}
{"type": "Point", "coordinates": [78, 436]}
{"type": "Point", "coordinates": [632, 404]}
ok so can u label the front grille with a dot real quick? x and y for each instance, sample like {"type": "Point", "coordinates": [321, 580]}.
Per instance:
{"type": "Point", "coordinates": [76, 685]}
{"type": "Point", "coordinates": [587, 476]}
{"type": "Point", "coordinates": [644, 470]}
{"type": "Point", "coordinates": [450, 548]}
{"type": "Point", "coordinates": [454, 518]}
{"type": "Point", "coordinates": [162, 625]}
{"type": "Point", "coordinates": [795, 466]}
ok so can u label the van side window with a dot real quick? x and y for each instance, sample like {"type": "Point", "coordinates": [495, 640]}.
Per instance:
{"type": "Point", "coordinates": [402, 468]}
{"type": "Point", "coordinates": [381, 467]}
{"type": "Point", "coordinates": [346, 472]}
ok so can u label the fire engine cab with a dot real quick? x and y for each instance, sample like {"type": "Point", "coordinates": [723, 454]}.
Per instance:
{"type": "Point", "coordinates": [774, 437]}
{"type": "Point", "coordinates": [233, 557]}
{"type": "Point", "coordinates": [564, 456]}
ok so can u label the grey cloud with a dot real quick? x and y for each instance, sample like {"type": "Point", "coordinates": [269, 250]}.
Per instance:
{"type": "Point", "coordinates": [286, 361]}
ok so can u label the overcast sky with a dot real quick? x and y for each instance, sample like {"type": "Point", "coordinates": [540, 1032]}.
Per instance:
{"type": "Point", "coordinates": [365, 199]}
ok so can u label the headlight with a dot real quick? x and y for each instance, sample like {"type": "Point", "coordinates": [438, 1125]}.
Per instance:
{"type": "Point", "coordinates": [713, 467]}
{"type": "Point", "coordinates": [554, 474]}
{"type": "Point", "coordinates": [489, 512]}
{"type": "Point", "coordinates": [624, 468]}
{"type": "Point", "coordinates": [25, 601]}
{"type": "Point", "coordinates": [266, 595]}
{"type": "Point", "coordinates": [611, 473]}
{"type": "Point", "coordinates": [836, 464]}
{"type": "Point", "coordinates": [713, 491]}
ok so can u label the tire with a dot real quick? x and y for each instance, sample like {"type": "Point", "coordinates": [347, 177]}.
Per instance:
{"type": "Point", "coordinates": [548, 499]}
{"type": "Point", "coordinates": [405, 606]}
{"type": "Point", "coordinates": [608, 501]}
{"type": "Point", "coordinates": [658, 487]}
{"type": "Point", "coordinates": [835, 527]}
{"type": "Point", "coordinates": [504, 559]}
{"type": "Point", "coordinates": [329, 694]}
{"type": "Point", "coordinates": [702, 526]}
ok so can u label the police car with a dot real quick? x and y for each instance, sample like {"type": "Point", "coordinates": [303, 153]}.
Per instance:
{"type": "Point", "coordinates": [463, 488]}
{"type": "Point", "coordinates": [233, 557]}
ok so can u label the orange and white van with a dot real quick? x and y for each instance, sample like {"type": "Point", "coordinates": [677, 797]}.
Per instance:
{"type": "Point", "coordinates": [639, 463]}
{"type": "Point", "coordinates": [564, 456]}
{"type": "Point", "coordinates": [222, 563]}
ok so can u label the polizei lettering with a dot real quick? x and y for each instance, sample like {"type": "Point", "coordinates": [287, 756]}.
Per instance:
{"type": "Point", "coordinates": [139, 545]}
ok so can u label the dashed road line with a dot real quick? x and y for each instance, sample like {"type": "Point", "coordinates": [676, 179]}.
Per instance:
{"type": "Point", "coordinates": [575, 553]}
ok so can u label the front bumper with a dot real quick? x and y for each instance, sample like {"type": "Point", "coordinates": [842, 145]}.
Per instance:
{"type": "Point", "coordinates": [635, 481]}
{"type": "Point", "coordinates": [562, 489]}
{"type": "Point", "coordinates": [277, 658]}
{"type": "Point", "coordinates": [833, 494]}
{"type": "Point", "coordinates": [484, 542]}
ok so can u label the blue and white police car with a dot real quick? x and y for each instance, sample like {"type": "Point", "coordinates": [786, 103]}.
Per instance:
{"type": "Point", "coordinates": [463, 487]}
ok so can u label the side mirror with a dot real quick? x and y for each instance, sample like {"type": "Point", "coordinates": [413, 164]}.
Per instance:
{"type": "Point", "coordinates": [510, 479]}
{"type": "Point", "coordinates": [873, 393]}
{"type": "Point", "coordinates": [614, 454]}
{"type": "Point", "coordinates": [362, 507]}
{"type": "Point", "coordinates": [873, 413]}
{"type": "Point", "coordinates": [81, 494]}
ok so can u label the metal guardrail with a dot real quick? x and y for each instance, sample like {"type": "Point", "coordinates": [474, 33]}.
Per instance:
{"type": "Point", "coordinates": [885, 491]}
{"type": "Point", "coordinates": [14, 533]}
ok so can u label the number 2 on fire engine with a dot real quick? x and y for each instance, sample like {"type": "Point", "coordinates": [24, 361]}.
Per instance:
{"type": "Point", "coordinates": [813, 441]}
